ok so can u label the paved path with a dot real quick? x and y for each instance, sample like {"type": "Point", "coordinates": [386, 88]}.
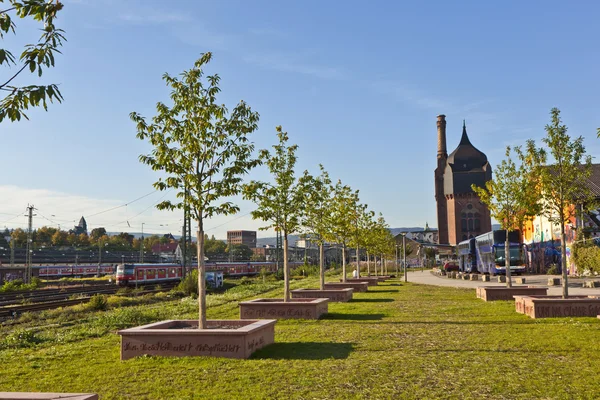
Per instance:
{"type": "Point", "coordinates": [575, 284]}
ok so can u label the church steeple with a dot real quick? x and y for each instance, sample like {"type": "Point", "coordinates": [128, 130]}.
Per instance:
{"type": "Point", "coordinates": [464, 138]}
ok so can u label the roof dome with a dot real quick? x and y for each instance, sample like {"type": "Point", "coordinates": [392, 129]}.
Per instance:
{"type": "Point", "coordinates": [466, 157]}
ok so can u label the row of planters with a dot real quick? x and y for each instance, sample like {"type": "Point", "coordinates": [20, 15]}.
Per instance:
{"type": "Point", "coordinates": [237, 338]}
{"type": "Point", "coordinates": [536, 303]}
{"type": "Point", "coordinates": [205, 177]}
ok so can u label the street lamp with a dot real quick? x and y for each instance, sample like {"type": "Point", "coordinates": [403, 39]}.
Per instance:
{"type": "Point", "coordinates": [404, 256]}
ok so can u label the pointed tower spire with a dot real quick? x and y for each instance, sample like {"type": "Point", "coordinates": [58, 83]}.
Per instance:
{"type": "Point", "coordinates": [464, 139]}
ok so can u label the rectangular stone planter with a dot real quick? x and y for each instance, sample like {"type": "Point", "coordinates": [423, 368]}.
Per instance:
{"type": "Point", "coordinates": [223, 338]}
{"type": "Point", "coordinates": [331, 294]}
{"type": "Point", "coordinates": [372, 281]}
{"type": "Point", "coordinates": [520, 281]}
{"type": "Point", "coordinates": [553, 281]}
{"type": "Point", "coordinates": [355, 286]}
{"type": "Point", "coordinates": [306, 308]}
{"type": "Point", "coordinates": [591, 284]}
{"type": "Point", "coordinates": [485, 278]}
{"type": "Point", "coordinates": [474, 277]}
{"type": "Point", "coordinates": [493, 293]}
{"type": "Point", "coordinates": [381, 278]}
{"type": "Point", "coordinates": [557, 307]}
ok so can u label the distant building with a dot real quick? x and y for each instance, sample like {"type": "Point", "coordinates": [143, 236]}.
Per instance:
{"type": "Point", "coordinates": [247, 238]}
{"type": "Point", "coordinates": [80, 228]}
{"type": "Point", "coordinates": [305, 244]}
{"type": "Point", "coordinates": [460, 212]}
{"type": "Point", "coordinates": [167, 251]}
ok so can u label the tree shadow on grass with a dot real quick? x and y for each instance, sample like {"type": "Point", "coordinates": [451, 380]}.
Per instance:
{"type": "Point", "coordinates": [304, 351]}
{"type": "Point", "coordinates": [384, 291]}
{"type": "Point", "coordinates": [371, 300]}
{"type": "Point", "coordinates": [356, 317]}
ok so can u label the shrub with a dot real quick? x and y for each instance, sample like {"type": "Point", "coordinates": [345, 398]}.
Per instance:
{"type": "Point", "coordinates": [189, 285]}
{"type": "Point", "coordinates": [553, 270]}
{"type": "Point", "coordinates": [245, 280]}
{"type": "Point", "coordinates": [586, 257]}
{"type": "Point", "coordinates": [19, 338]}
{"type": "Point", "coordinates": [98, 302]}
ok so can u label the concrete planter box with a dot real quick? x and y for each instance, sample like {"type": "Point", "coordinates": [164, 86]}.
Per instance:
{"type": "Point", "coordinates": [305, 308]}
{"type": "Point", "coordinates": [355, 286]}
{"type": "Point", "coordinates": [591, 284]}
{"type": "Point", "coordinates": [46, 396]}
{"type": "Point", "coordinates": [557, 307]}
{"type": "Point", "coordinates": [501, 279]}
{"type": "Point", "coordinates": [474, 277]}
{"type": "Point", "coordinates": [493, 293]}
{"type": "Point", "coordinates": [485, 278]}
{"type": "Point", "coordinates": [553, 281]}
{"type": "Point", "coordinates": [223, 338]}
{"type": "Point", "coordinates": [381, 278]}
{"type": "Point", "coordinates": [340, 294]}
{"type": "Point", "coordinates": [372, 281]}
{"type": "Point", "coordinates": [520, 281]}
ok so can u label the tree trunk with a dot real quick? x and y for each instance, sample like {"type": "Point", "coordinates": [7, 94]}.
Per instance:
{"type": "Point", "coordinates": [563, 261]}
{"type": "Point", "coordinates": [201, 277]}
{"type": "Point", "coordinates": [507, 261]}
{"type": "Point", "coordinates": [368, 264]}
{"type": "Point", "coordinates": [286, 269]}
{"type": "Point", "coordinates": [375, 259]}
{"type": "Point", "coordinates": [343, 263]}
{"type": "Point", "coordinates": [321, 266]}
{"type": "Point", "coordinates": [357, 262]}
{"type": "Point", "coordinates": [383, 266]}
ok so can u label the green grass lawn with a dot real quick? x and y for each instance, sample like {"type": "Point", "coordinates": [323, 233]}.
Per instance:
{"type": "Point", "coordinates": [396, 341]}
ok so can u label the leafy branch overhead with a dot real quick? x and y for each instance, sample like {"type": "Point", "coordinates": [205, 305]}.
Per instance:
{"type": "Point", "coordinates": [33, 58]}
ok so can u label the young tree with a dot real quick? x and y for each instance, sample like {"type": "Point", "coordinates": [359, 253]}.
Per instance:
{"type": "Point", "coordinates": [511, 196]}
{"type": "Point", "coordinates": [204, 150]}
{"type": "Point", "coordinates": [361, 219]}
{"type": "Point", "coordinates": [281, 203]}
{"type": "Point", "coordinates": [317, 211]}
{"type": "Point", "coordinates": [563, 184]}
{"type": "Point", "coordinates": [34, 57]}
{"type": "Point", "coordinates": [342, 207]}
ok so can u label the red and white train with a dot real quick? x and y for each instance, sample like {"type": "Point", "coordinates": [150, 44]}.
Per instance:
{"type": "Point", "coordinates": [132, 274]}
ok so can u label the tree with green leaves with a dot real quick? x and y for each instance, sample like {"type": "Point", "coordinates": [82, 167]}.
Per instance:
{"type": "Point", "coordinates": [34, 57]}
{"type": "Point", "coordinates": [280, 203]}
{"type": "Point", "coordinates": [563, 184]}
{"type": "Point", "coordinates": [317, 211]}
{"type": "Point", "coordinates": [204, 150]}
{"type": "Point", "coordinates": [511, 196]}
{"type": "Point", "coordinates": [239, 252]}
{"type": "Point", "coordinates": [342, 209]}
{"type": "Point", "coordinates": [361, 219]}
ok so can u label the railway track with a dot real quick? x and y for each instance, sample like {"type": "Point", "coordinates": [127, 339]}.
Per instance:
{"type": "Point", "coordinates": [29, 294]}
{"type": "Point", "coordinates": [52, 301]}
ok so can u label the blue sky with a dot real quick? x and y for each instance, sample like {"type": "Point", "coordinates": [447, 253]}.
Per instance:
{"type": "Point", "coordinates": [357, 85]}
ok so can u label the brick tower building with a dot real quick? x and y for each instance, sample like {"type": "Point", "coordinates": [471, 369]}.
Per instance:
{"type": "Point", "coordinates": [460, 213]}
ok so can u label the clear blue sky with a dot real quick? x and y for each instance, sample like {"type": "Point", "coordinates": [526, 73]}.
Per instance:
{"type": "Point", "coordinates": [357, 85]}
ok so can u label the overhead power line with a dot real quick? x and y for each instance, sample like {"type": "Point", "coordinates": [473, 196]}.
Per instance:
{"type": "Point", "coordinates": [123, 205]}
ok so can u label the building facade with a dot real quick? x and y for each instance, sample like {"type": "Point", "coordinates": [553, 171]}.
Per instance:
{"type": "Point", "coordinates": [460, 212]}
{"type": "Point", "coordinates": [247, 238]}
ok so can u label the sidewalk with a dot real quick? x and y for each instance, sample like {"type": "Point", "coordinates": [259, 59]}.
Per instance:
{"type": "Point", "coordinates": [575, 284]}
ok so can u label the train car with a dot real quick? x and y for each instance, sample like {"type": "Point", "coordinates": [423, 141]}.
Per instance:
{"type": "Point", "coordinates": [138, 274]}
{"type": "Point", "coordinates": [71, 271]}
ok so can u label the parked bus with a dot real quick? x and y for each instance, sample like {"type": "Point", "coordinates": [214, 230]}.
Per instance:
{"type": "Point", "coordinates": [485, 254]}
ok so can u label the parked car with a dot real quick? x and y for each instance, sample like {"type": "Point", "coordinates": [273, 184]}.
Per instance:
{"type": "Point", "coordinates": [451, 266]}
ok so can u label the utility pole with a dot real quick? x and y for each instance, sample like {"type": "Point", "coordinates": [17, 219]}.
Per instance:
{"type": "Point", "coordinates": [29, 250]}
{"type": "Point", "coordinates": [12, 253]}
{"type": "Point", "coordinates": [99, 257]}
{"type": "Point", "coordinates": [142, 246]}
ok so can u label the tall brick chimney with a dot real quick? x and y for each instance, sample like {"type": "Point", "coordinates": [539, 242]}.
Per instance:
{"type": "Point", "coordinates": [441, 131]}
